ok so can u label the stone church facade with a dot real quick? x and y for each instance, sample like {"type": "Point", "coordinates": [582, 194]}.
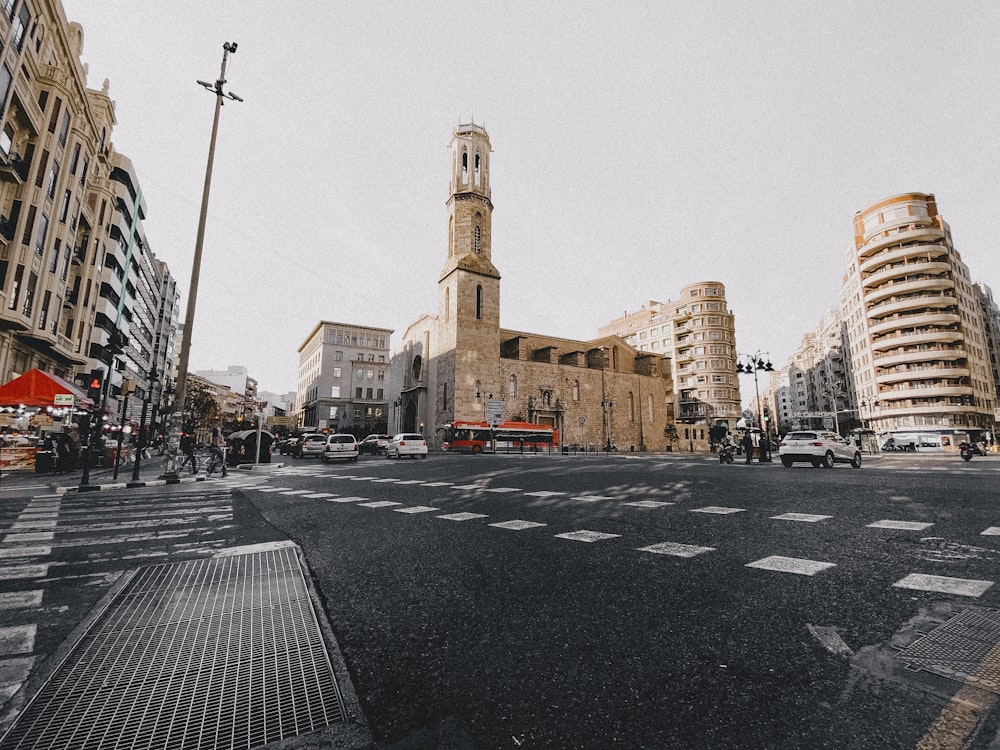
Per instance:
{"type": "Point", "coordinates": [451, 365]}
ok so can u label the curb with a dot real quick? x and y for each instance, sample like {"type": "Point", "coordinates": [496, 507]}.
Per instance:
{"type": "Point", "coordinates": [126, 485]}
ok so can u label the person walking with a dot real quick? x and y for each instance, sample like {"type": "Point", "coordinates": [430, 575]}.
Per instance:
{"type": "Point", "coordinates": [748, 446]}
{"type": "Point", "coordinates": [217, 448]}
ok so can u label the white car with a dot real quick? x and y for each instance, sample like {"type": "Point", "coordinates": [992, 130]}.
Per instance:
{"type": "Point", "coordinates": [406, 444]}
{"type": "Point", "coordinates": [340, 447]}
{"type": "Point", "coordinates": [818, 447]}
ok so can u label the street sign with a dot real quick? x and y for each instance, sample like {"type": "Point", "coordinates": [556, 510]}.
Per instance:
{"type": "Point", "coordinates": [63, 399]}
{"type": "Point", "coordinates": [996, 413]}
{"type": "Point", "coordinates": [494, 412]}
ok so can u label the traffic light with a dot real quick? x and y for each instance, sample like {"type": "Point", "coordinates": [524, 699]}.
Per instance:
{"type": "Point", "coordinates": [95, 386]}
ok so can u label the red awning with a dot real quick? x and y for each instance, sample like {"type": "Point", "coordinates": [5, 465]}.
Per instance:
{"type": "Point", "coordinates": [37, 388]}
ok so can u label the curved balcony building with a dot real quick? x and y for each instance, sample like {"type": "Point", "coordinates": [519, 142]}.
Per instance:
{"type": "Point", "coordinates": [915, 327]}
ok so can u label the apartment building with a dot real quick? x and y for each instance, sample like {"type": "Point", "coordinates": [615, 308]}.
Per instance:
{"type": "Point", "coordinates": [344, 378]}
{"type": "Point", "coordinates": [919, 353]}
{"type": "Point", "coordinates": [697, 333]}
{"type": "Point", "coordinates": [237, 379]}
{"type": "Point", "coordinates": [991, 328]}
{"type": "Point", "coordinates": [79, 289]}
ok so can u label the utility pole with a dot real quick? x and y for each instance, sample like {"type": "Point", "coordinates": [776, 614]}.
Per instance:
{"type": "Point", "coordinates": [182, 363]}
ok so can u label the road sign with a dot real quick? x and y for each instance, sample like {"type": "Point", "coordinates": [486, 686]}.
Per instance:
{"type": "Point", "coordinates": [494, 412]}
{"type": "Point", "coordinates": [63, 399]}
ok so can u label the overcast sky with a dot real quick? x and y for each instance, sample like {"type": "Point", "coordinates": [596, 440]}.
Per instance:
{"type": "Point", "coordinates": [638, 147]}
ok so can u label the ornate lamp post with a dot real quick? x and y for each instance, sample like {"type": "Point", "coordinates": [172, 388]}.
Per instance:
{"type": "Point", "coordinates": [749, 364]}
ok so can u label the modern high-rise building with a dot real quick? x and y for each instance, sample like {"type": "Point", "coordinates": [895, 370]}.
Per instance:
{"type": "Point", "coordinates": [919, 354]}
{"type": "Point", "coordinates": [698, 333]}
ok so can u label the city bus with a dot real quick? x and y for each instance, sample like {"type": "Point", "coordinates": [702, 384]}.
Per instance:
{"type": "Point", "coordinates": [509, 437]}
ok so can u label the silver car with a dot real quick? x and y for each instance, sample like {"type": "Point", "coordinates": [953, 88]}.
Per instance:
{"type": "Point", "coordinates": [818, 447]}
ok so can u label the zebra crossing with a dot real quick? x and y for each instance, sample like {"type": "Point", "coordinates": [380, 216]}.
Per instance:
{"type": "Point", "coordinates": [920, 581]}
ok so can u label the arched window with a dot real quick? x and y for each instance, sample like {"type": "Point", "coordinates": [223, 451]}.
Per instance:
{"type": "Point", "coordinates": [447, 305]}
{"type": "Point", "coordinates": [631, 407]}
{"type": "Point", "coordinates": [465, 166]}
{"type": "Point", "coordinates": [477, 169]}
{"type": "Point", "coordinates": [576, 390]}
{"type": "Point", "coordinates": [444, 397]}
{"type": "Point", "coordinates": [513, 385]}
{"type": "Point", "coordinates": [479, 301]}
{"type": "Point", "coordinates": [477, 240]}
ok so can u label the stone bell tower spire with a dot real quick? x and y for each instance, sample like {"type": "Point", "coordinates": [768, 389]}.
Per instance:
{"type": "Point", "coordinates": [469, 287]}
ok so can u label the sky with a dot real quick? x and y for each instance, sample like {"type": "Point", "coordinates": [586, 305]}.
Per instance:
{"type": "Point", "coordinates": [637, 148]}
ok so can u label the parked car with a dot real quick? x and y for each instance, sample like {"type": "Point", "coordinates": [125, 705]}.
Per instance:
{"type": "Point", "coordinates": [337, 447]}
{"type": "Point", "coordinates": [374, 444]}
{"type": "Point", "coordinates": [818, 447]}
{"type": "Point", "coordinates": [311, 445]}
{"type": "Point", "coordinates": [407, 444]}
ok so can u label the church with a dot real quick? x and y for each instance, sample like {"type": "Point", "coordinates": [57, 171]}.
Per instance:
{"type": "Point", "coordinates": [450, 366]}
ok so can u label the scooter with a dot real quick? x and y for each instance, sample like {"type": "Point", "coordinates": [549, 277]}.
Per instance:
{"type": "Point", "coordinates": [726, 454]}
{"type": "Point", "coordinates": [965, 450]}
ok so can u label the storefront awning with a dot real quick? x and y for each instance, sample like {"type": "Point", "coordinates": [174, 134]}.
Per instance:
{"type": "Point", "coordinates": [38, 388]}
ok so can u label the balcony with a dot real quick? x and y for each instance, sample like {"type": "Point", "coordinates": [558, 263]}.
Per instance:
{"type": "Point", "coordinates": [906, 268]}
{"type": "Point", "coordinates": [13, 169]}
{"type": "Point", "coordinates": [914, 254]}
{"type": "Point", "coordinates": [909, 286]}
{"type": "Point", "coordinates": [891, 359]}
{"type": "Point", "coordinates": [929, 392]}
{"type": "Point", "coordinates": [926, 320]}
{"type": "Point", "coordinates": [895, 305]}
{"type": "Point", "coordinates": [921, 373]}
{"type": "Point", "coordinates": [908, 233]}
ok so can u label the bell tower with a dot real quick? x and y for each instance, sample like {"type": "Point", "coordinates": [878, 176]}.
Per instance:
{"type": "Point", "coordinates": [469, 286]}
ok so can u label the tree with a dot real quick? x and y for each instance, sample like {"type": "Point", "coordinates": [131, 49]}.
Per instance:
{"type": "Point", "coordinates": [201, 408]}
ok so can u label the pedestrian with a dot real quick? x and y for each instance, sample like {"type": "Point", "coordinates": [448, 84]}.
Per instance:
{"type": "Point", "coordinates": [217, 447]}
{"type": "Point", "coordinates": [748, 446]}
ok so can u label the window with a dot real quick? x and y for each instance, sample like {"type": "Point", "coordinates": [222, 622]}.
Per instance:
{"type": "Point", "coordinates": [54, 117]}
{"type": "Point", "coordinates": [513, 385]}
{"type": "Point", "coordinates": [64, 207]}
{"type": "Point", "coordinates": [576, 390]}
{"type": "Point", "coordinates": [338, 356]}
{"type": "Point", "coordinates": [43, 228]}
{"type": "Point", "coordinates": [5, 78]}
{"type": "Point", "coordinates": [19, 26]}
{"type": "Point", "coordinates": [477, 238]}
{"type": "Point", "coordinates": [336, 372]}
{"type": "Point", "coordinates": [357, 392]}
{"type": "Point", "coordinates": [479, 301]}
{"type": "Point", "coordinates": [368, 393]}
{"type": "Point", "coordinates": [335, 391]}
{"type": "Point", "coordinates": [29, 225]}
{"type": "Point", "coordinates": [43, 313]}
{"type": "Point", "coordinates": [64, 128]}
{"type": "Point", "coordinates": [15, 287]}
{"type": "Point", "coordinates": [50, 188]}
{"type": "Point", "coordinates": [54, 262]}
{"type": "Point", "coordinates": [29, 294]}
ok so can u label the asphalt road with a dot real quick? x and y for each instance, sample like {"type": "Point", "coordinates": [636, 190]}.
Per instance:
{"type": "Point", "coordinates": [703, 620]}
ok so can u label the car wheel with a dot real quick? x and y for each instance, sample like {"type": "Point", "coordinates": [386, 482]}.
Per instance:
{"type": "Point", "coordinates": [828, 460]}
{"type": "Point", "coordinates": [856, 461]}
{"type": "Point", "coordinates": [476, 449]}
{"type": "Point", "coordinates": [816, 463]}
{"type": "Point", "coordinates": [786, 462]}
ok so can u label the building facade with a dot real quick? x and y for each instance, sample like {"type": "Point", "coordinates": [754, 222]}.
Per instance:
{"type": "Point", "coordinates": [698, 334]}
{"type": "Point", "coordinates": [344, 379]}
{"type": "Point", "coordinates": [919, 355]}
{"type": "Point", "coordinates": [79, 285]}
{"type": "Point", "coordinates": [237, 380]}
{"type": "Point", "coordinates": [451, 365]}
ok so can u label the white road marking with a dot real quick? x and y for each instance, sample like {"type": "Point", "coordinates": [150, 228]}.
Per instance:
{"type": "Point", "coordinates": [675, 549]}
{"type": "Point", "coordinates": [17, 639]}
{"type": "Point", "coordinates": [648, 504]}
{"type": "Point", "coordinates": [543, 493]}
{"type": "Point", "coordinates": [585, 535]}
{"type": "Point", "coordinates": [805, 517]}
{"type": "Point", "coordinates": [791, 565]}
{"type": "Point", "coordinates": [717, 510]}
{"type": "Point", "coordinates": [416, 509]}
{"type": "Point", "coordinates": [591, 498]}
{"type": "Point", "coordinates": [991, 531]}
{"type": "Point", "coordinates": [295, 492]}
{"type": "Point", "coordinates": [462, 516]}
{"type": "Point", "coordinates": [502, 489]}
{"type": "Point", "coordinates": [379, 504]}
{"type": "Point", "coordinates": [349, 499]}
{"type": "Point", "coordinates": [900, 525]}
{"type": "Point", "coordinates": [943, 584]}
{"type": "Point", "coordinates": [518, 525]}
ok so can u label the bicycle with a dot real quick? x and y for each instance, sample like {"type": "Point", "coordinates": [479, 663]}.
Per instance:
{"type": "Point", "coordinates": [215, 463]}
{"type": "Point", "coordinates": [191, 461]}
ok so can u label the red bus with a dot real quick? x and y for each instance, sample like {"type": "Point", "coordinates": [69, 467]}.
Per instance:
{"type": "Point", "coordinates": [507, 437]}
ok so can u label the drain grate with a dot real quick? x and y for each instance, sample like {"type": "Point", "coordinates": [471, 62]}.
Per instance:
{"type": "Point", "coordinates": [962, 648]}
{"type": "Point", "coordinates": [220, 653]}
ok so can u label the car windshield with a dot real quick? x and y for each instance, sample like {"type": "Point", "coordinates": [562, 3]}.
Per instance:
{"type": "Point", "coordinates": [800, 436]}
{"type": "Point", "coordinates": [410, 437]}
{"type": "Point", "coordinates": [314, 439]}
{"type": "Point", "coordinates": [341, 439]}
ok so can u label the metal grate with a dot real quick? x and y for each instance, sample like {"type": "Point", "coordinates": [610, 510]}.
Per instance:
{"type": "Point", "coordinates": [220, 653]}
{"type": "Point", "coordinates": [962, 648]}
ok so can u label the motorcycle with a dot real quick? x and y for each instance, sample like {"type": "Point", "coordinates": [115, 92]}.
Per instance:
{"type": "Point", "coordinates": [726, 454]}
{"type": "Point", "coordinates": [965, 450]}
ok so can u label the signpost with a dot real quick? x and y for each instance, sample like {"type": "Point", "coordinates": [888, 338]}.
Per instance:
{"type": "Point", "coordinates": [494, 413]}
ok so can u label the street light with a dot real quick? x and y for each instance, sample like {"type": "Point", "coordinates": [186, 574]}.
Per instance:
{"type": "Point", "coordinates": [182, 361]}
{"type": "Point", "coordinates": [750, 364]}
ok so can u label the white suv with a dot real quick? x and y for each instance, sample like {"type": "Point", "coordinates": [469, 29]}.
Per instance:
{"type": "Point", "coordinates": [818, 447]}
{"type": "Point", "coordinates": [339, 447]}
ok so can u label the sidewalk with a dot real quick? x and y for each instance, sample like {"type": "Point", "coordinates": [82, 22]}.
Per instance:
{"type": "Point", "coordinates": [150, 470]}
